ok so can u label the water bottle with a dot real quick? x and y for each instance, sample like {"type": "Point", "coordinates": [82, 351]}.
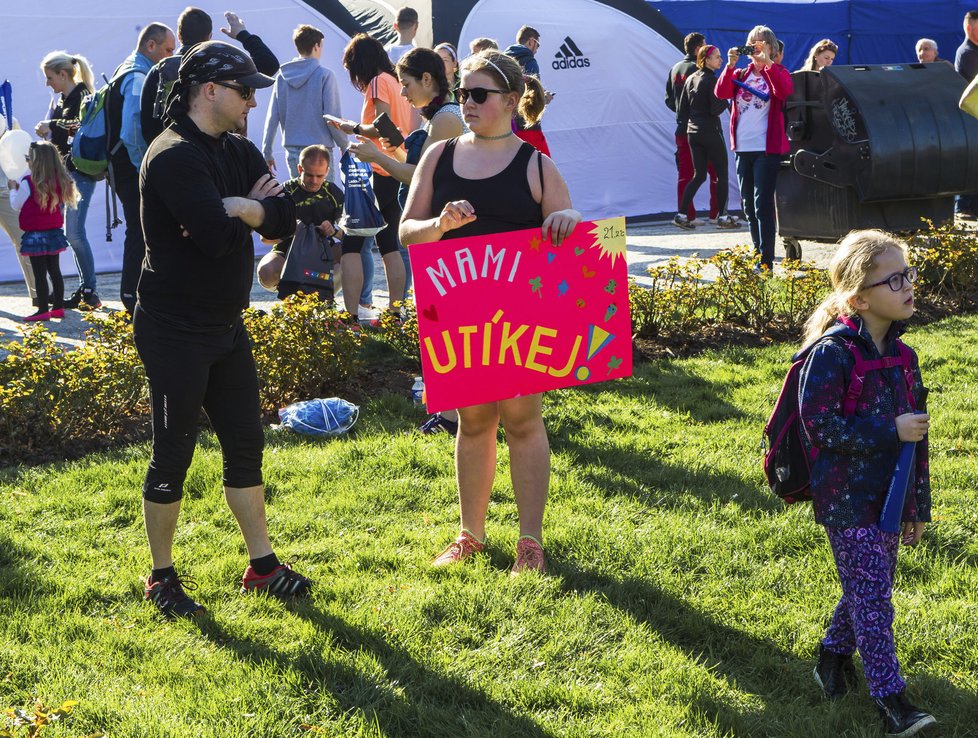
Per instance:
{"type": "Point", "coordinates": [417, 390]}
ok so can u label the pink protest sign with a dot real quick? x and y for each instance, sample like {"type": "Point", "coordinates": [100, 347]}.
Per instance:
{"type": "Point", "coordinates": [510, 314]}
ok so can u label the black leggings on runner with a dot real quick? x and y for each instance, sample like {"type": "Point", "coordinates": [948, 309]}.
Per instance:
{"type": "Point", "coordinates": [707, 148]}
{"type": "Point", "coordinates": [188, 371]}
{"type": "Point", "coordinates": [43, 267]}
{"type": "Point", "coordinates": [385, 192]}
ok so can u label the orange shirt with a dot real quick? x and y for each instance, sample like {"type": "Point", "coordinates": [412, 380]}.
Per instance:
{"type": "Point", "coordinates": [386, 88]}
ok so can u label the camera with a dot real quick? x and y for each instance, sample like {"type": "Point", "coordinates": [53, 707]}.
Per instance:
{"type": "Point", "coordinates": [746, 50]}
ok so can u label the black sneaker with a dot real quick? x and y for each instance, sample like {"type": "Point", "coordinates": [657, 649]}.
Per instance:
{"type": "Point", "coordinates": [170, 598]}
{"type": "Point", "coordinates": [834, 673]}
{"type": "Point", "coordinates": [438, 423]}
{"type": "Point", "coordinates": [90, 299]}
{"type": "Point", "coordinates": [900, 718]}
{"type": "Point", "coordinates": [283, 583]}
{"type": "Point", "coordinates": [72, 302]}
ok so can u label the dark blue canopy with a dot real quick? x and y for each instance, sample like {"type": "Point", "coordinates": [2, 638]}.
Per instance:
{"type": "Point", "coordinates": [866, 31]}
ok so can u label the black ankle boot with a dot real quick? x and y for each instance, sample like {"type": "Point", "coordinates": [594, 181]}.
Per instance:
{"type": "Point", "coordinates": [834, 673]}
{"type": "Point", "coordinates": [900, 718]}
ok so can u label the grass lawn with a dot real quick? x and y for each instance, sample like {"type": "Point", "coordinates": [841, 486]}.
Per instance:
{"type": "Point", "coordinates": [683, 599]}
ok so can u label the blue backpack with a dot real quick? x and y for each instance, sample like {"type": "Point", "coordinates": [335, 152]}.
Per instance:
{"type": "Point", "coordinates": [90, 152]}
{"type": "Point", "coordinates": [90, 148]}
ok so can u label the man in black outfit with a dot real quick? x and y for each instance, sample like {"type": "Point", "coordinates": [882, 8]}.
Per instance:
{"type": "Point", "coordinates": [203, 190]}
{"type": "Point", "coordinates": [684, 157]}
{"type": "Point", "coordinates": [194, 26]}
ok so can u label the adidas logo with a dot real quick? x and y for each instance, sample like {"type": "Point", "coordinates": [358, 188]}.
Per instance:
{"type": "Point", "coordinates": [570, 56]}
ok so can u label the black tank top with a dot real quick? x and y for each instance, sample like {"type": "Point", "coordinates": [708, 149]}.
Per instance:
{"type": "Point", "coordinates": [502, 202]}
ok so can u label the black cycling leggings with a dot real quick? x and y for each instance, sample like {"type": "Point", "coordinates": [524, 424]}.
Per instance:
{"type": "Point", "coordinates": [188, 371]}
{"type": "Point", "coordinates": [385, 193]}
{"type": "Point", "coordinates": [707, 148]}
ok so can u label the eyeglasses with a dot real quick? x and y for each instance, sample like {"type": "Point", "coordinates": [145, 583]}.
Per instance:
{"type": "Point", "coordinates": [895, 281]}
{"type": "Point", "coordinates": [478, 94]}
{"type": "Point", "coordinates": [246, 92]}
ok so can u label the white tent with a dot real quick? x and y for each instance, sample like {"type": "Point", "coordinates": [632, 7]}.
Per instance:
{"type": "Point", "coordinates": [608, 127]}
{"type": "Point", "coordinates": [105, 31]}
{"type": "Point", "coordinates": [607, 61]}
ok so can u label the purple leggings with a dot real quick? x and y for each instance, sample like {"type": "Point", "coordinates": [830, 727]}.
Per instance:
{"type": "Point", "coordinates": [866, 559]}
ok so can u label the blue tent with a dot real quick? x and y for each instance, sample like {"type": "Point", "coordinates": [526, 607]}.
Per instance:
{"type": "Point", "coordinates": [866, 31]}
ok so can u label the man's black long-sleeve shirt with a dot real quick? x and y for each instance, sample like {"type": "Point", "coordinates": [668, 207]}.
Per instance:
{"type": "Point", "coordinates": [265, 61]}
{"type": "Point", "coordinates": [201, 281]}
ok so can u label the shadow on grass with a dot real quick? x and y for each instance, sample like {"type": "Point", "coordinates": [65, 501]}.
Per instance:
{"type": "Point", "coordinates": [793, 703]}
{"type": "Point", "coordinates": [412, 700]}
{"type": "Point", "coordinates": [14, 577]}
{"type": "Point", "coordinates": [670, 384]}
{"type": "Point", "coordinates": [621, 470]}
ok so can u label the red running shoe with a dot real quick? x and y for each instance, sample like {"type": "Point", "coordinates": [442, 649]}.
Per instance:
{"type": "Point", "coordinates": [282, 583]}
{"type": "Point", "coordinates": [461, 548]}
{"type": "Point", "coordinates": [529, 557]}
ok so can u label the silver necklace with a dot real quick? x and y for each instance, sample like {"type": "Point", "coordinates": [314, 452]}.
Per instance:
{"type": "Point", "coordinates": [492, 138]}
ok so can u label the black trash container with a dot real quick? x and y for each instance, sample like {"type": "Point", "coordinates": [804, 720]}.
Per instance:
{"type": "Point", "coordinates": [874, 147]}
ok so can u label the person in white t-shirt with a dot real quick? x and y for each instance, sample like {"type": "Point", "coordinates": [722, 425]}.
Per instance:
{"type": "Point", "coordinates": [406, 26]}
{"type": "Point", "coordinates": [757, 133]}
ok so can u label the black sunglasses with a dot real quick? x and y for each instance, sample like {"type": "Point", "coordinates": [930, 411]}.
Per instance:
{"type": "Point", "coordinates": [895, 281]}
{"type": "Point", "coordinates": [478, 94]}
{"type": "Point", "coordinates": [246, 92]}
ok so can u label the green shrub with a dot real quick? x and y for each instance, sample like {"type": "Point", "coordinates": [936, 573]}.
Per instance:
{"type": "Point", "coordinates": [50, 394]}
{"type": "Point", "coordinates": [402, 333]}
{"type": "Point", "coordinates": [303, 348]}
{"type": "Point", "coordinates": [681, 300]}
{"type": "Point", "coordinates": [947, 257]}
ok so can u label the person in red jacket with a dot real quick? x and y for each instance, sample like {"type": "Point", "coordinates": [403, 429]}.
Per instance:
{"type": "Point", "coordinates": [757, 132]}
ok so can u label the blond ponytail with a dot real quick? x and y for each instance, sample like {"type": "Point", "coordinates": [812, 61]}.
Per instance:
{"type": "Point", "coordinates": [75, 64]}
{"type": "Point", "coordinates": [533, 100]}
{"type": "Point", "coordinates": [852, 262]}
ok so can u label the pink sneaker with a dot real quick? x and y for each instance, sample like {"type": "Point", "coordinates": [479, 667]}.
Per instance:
{"type": "Point", "coordinates": [58, 313]}
{"type": "Point", "coordinates": [37, 317]}
{"type": "Point", "coordinates": [529, 557]}
{"type": "Point", "coordinates": [461, 548]}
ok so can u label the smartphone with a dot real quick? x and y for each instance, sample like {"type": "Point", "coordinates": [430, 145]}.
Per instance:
{"type": "Point", "coordinates": [386, 128]}
{"type": "Point", "coordinates": [746, 50]}
{"type": "Point", "coordinates": [333, 118]}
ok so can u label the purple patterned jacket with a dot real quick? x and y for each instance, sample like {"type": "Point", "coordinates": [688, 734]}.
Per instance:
{"type": "Point", "coordinates": [857, 454]}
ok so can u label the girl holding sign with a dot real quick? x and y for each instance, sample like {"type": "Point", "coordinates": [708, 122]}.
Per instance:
{"type": "Point", "coordinates": [488, 181]}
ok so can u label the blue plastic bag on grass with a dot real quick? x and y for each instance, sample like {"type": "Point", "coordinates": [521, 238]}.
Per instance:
{"type": "Point", "coordinates": [360, 214]}
{"type": "Point", "coordinates": [331, 417]}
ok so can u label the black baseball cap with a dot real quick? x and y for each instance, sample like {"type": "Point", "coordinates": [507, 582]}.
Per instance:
{"type": "Point", "coordinates": [216, 61]}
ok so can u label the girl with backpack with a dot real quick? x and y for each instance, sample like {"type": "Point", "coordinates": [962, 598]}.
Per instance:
{"type": "Point", "coordinates": [872, 297]}
{"type": "Point", "coordinates": [39, 198]}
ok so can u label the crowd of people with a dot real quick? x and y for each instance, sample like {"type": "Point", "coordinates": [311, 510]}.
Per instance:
{"type": "Point", "coordinates": [465, 157]}
{"type": "Point", "coordinates": [755, 98]}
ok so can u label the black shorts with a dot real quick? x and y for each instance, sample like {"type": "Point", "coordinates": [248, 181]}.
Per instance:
{"type": "Point", "coordinates": [188, 371]}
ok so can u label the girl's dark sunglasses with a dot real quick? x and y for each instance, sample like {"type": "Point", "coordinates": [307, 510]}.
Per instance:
{"type": "Point", "coordinates": [895, 281]}
{"type": "Point", "coordinates": [478, 94]}
{"type": "Point", "coordinates": [246, 92]}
